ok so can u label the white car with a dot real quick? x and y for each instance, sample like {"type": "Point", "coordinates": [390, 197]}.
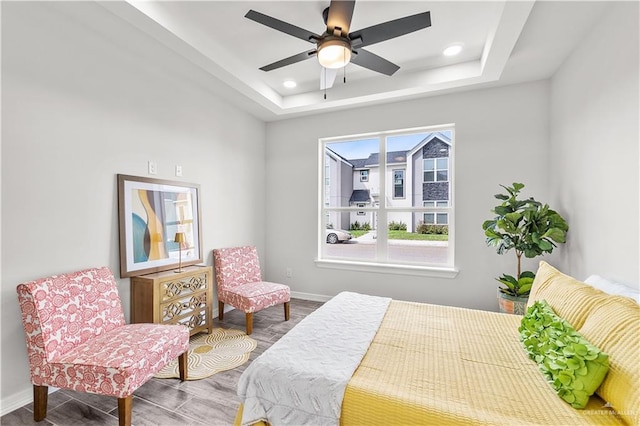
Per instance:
{"type": "Point", "coordinates": [337, 236]}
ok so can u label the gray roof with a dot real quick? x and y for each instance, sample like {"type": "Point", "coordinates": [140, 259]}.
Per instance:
{"type": "Point", "coordinates": [360, 196]}
{"type": "Point", "coordinates": [358, 163]}
{"type": "Point", "coordinates": [373, 160]}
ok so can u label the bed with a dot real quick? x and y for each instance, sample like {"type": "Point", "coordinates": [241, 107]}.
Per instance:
{"type": "Point", "coordinates": [432, 364]}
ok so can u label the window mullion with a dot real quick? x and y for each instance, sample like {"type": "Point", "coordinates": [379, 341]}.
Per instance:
{"type": "Point", "coordinates": [382, 237]}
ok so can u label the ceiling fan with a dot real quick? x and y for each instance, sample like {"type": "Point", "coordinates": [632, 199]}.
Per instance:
{"type": "Point", "coordinates": [336, 47]}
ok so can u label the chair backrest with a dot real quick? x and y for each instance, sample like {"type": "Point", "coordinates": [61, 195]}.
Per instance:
{"type": "Point", "coordinates": [236, 266]}
{"type": "Point", "coordinates": [63, 311]}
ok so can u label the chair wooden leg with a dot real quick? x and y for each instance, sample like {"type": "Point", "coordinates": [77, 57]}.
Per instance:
{"type": "Point", "coordinates": [182, 366]}
{"type": "Point", "coordinates": [249, 322]}
{"type": "Point", "coordinates": [40, 395]}
{"type": "Point", "coordinates": [286, 311]}
{"type": "Point", "coordinates": [220, 310]}
{"type": "Point", "coordinates": [124, 410]}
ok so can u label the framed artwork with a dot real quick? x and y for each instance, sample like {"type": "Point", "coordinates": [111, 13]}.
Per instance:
{"type": "Point", "coordinates": [150, 213]}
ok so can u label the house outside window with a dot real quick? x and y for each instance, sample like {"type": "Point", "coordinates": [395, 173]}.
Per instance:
{"type": "Point", "coordinates": [398, 184]}
{"type": "Point", "coordinates": [381, 181]}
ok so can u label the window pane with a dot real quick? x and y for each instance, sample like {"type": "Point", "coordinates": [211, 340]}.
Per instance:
{"type": "Point", "coordinates": [442, 204]}
{"type": "Point", "coordinates": [429, 218]}
{"type": "Point", "coordinates": [419, 244]}
{"type": "Point", "coordinates": [428, 176]}
{"type": "Point", "coordinates": [346, 184]}
{"type": "Point", "coordinates": [428, 164]}
{"type": "Point", "coordinates": [362, 245]}
{"type": "Point", "coordinates": [443, 176]}
{"type": "Point", "coordinates": [442, 219]}
{"type": "Point", "coordinates": [443, 163]}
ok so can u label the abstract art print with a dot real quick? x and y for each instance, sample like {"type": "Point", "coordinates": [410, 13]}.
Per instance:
{"type": "Point", "coordinates": [151, 211]}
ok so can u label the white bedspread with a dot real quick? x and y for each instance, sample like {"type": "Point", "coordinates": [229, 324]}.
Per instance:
{"type": "Point", "coordinates": [295, 383]}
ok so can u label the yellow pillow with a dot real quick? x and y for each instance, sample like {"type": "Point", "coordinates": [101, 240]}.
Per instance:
{"type": "Point", "coordinates": [614, 327]}
{"type": "Point", "coordinates": [571, 299]}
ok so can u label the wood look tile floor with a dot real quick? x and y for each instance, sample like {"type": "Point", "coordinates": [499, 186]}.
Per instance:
{"type": "Point", "coordinates": [170, 402]}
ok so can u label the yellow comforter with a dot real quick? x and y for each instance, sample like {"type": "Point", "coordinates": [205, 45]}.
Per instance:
{"type": "Point", "coordinates": [440, 365]}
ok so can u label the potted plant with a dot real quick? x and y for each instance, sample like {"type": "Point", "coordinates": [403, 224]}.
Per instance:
{"type": "Point", "coordinates": [528, 227]}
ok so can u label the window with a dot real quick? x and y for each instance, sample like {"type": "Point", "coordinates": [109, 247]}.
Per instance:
{"type": "Point", "coordinates": [398, 184]}
{"type": "Point", "coordinates": [391, 223]}
{"type": "Point", "coordinates": [436, 169]}
{"type": "Point", "coordinates": [436, 218]}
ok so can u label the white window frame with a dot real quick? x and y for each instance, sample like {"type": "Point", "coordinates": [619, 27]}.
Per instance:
{"type": "Point", "coordinates": [364, 175]}
{"type": "Point", "coordinates": [381, 264]}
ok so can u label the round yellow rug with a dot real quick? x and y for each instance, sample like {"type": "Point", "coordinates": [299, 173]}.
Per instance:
{"type": "Point", "coordinates": [223, 349]}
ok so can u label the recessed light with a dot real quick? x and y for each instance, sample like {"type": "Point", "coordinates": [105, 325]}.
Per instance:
{"type": "Point", "coordinates": [452, 50]}
{"type": "Point", "coordinates": [289, 84]}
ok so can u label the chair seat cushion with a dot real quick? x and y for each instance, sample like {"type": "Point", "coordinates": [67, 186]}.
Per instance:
{"type": "Point", "coordinates": [254, 297]}
{"type": "Point", "coordinates": [116, 363]}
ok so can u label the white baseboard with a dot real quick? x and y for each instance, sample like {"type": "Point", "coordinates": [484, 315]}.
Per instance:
{"type": "Point", "coordinates": [310, 296]}
{"type": "Point", "coordinates": [19, 399]}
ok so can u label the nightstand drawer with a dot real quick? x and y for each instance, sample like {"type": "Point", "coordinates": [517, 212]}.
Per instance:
{"type": "Point", "coordinates": [174, 298]}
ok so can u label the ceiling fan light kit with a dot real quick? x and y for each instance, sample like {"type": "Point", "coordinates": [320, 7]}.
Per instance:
{"type": "Point", "coordinates": [334, 52]}
{"type": "Point", "coordinates": [336, 47]}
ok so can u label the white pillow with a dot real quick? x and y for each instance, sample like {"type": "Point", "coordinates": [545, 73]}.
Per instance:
{"type": "Point", "coordinates": [612, 287]}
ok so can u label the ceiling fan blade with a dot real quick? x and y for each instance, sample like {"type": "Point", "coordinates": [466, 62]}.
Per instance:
{"type": "Point", "coordinates": [327, 77]}
{"type": "Point", "coordinates": [282, 26]}
{"type": "Point", "coordinates": [371, 61]}
{"type": "Point", "coordinates": [391, 29]}
{"type": "Point", "coordinates": [340, 14]}
{"type": "Point", "coordinates": [290, 60]}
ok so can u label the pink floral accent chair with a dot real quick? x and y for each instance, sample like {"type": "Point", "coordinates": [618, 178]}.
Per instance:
{"type": "Point", "coordinates": [240, 284]}
{"type": "Point", "coordinates": [77, 339]}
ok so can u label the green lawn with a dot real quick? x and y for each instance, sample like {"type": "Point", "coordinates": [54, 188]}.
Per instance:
{"type": "Point", "coordinates": [404, 235]}
{"type": "Point", "coordinates": [357, 234]}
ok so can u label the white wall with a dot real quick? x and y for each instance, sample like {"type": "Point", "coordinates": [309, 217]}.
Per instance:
{"type": "Point", "coordinates": [502, 136]}
{"type": "Point", "coordinates": [594, 156]}
{"type": "Point", "coordinates": [78, 108]}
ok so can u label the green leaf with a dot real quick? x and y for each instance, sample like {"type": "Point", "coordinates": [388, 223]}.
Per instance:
{"type": "Point", "coordinates": [524, 289]}
{"type": "Point", "coordinates": [535, 237]}
{"type": "Point", "coordinates": [487, 224]}
{"type": "Point", "coordinates": [502, 210]}
{"type": "Point", "coordinates": [513, 217]}
{"type": "Point", "coordinates": [556, 234]}
{"type": "Point", "coordinates": [545, 245]}
{"type": "Point", "coordinates": [517, 186]}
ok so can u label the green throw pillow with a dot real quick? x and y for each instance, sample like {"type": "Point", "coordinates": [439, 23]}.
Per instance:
{"type": "Point", "coordinates": [573, 366]}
